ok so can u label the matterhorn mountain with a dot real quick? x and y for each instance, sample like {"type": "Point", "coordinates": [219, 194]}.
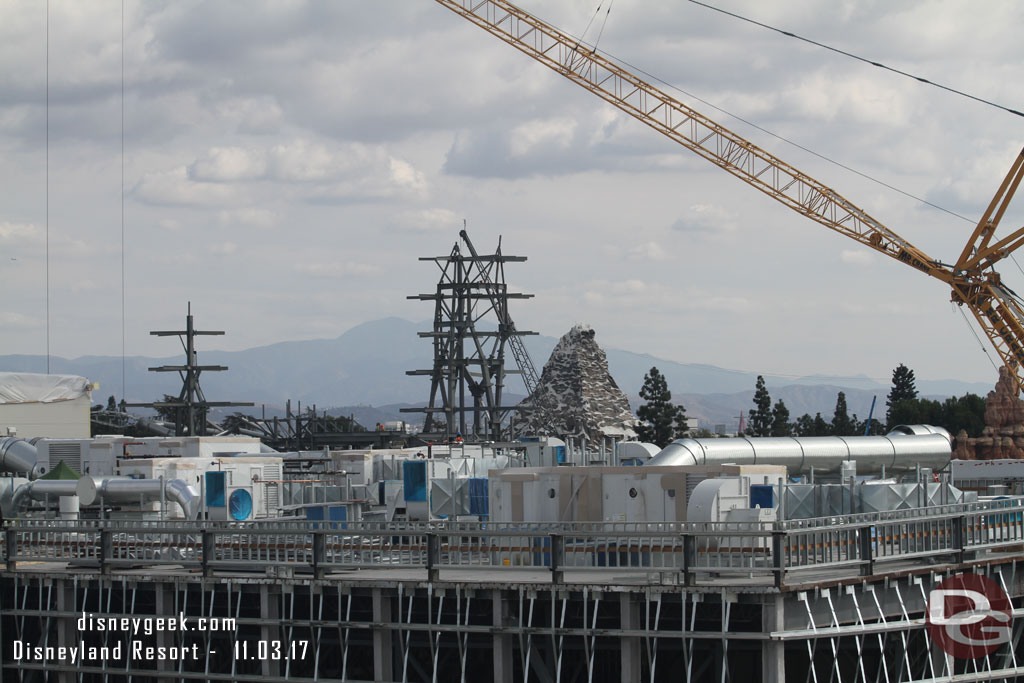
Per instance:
{"type": "Point", "coordinates": [576, 396]}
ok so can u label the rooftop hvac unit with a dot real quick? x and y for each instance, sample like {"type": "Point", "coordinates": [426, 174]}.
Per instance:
{"type": "Point", "coordinates": [226, 502]}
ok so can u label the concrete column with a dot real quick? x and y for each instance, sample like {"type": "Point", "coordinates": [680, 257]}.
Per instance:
{"type": "Point", "coordinates": [773, 654]}
{"type": "Point", "coordinates": [630, 648]}
{"type": "Point", "coordinates": [66, 627]}
{"type": "Point", "coordinates": [270, 613]}
{"type": "Point", "coordinates": [501, 643]}
{"type": "Point", "coordinates": [163, 602]}
{"type": "Point", "coordinates": [383, 646]}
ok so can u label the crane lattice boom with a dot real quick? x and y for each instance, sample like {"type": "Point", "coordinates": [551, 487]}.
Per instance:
{"type": "Point", "coordinates": [972, 279]}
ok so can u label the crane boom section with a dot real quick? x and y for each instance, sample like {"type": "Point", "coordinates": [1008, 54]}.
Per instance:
{"type": "Point", "coordinates": [662, 112]}
{"type": "Point", "coordinates": [974, 283]}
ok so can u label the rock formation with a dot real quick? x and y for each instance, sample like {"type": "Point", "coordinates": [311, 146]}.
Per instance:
{"type": "Point", "coordinates": [576, 397]}
{"type": "Point", "coordinates": [1003, 436]}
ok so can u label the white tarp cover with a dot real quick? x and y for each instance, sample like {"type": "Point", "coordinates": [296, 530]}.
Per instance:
{"type": "Point", "coordinates": [25, 387]}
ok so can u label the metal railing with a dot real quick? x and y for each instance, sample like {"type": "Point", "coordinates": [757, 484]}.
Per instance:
{"type": "Point", "coordinates": [780, 553]}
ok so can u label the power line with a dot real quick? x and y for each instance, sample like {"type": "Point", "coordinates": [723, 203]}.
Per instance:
{"type": "Point", "coordinates": [861, 59]}
{"type": "Point", "coordinates": [47, 191]}
{"type": "Point", "coordinates": [123, 361]}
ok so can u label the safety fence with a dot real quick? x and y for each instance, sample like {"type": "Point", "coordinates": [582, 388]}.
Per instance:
{"type": "Point", "coordinates": [783, 553]}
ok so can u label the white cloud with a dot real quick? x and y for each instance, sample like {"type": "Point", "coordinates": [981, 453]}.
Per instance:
{"type": "Point", "coordinates": [548, 133]}
{"type": "Point", "coordinates": [427, 220]}
{"type": "Point", "coordinates": [647, 251]}
{"type": "Point", "coordinates": [12, 319]}
{"type": "Point", "coordinates": [860, 257]}
{"type": "Point", "coordinates": [228, 164]}
{"type": "Point", "coordinates": [19, 233]}
{"type": "Point", "coordinates": [176, 188]}
{"type": "Point", "coordinates": [252, 217]}
{"type": "Point", "coordinates": [223, 248]}
{"type": "Point", "coordinates": [304, 161]}
{"type": "Point", "coordinates": [337, 269]}
{"type": "Point", "coordinates": [707, 220]}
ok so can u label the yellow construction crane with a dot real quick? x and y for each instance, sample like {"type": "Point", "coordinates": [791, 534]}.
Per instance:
{"type": "Point", "coordinates": [972, 278]}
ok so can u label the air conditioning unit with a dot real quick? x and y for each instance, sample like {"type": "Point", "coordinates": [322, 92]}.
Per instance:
{"type": "Point", "coordinates": [229, 502]}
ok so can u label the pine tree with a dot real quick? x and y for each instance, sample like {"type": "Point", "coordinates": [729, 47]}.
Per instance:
{"type": "Point", "coordinates": [760, 423]}
{"type": "Point", "coordinates": [842, 425]}
{"type": "Point", "coordinates": [660, 420]}
{"type": "Point", "coordinates": [780, 420]}
{"type": "Point", "coordinates": [903, 388]}
{"type": "Point", "coordinates": [804, 425]}
{"type": "Point", "coordinates": [819, 427]}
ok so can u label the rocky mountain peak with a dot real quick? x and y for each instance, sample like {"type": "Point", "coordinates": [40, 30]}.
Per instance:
{"type": "Point", "coordinates": [577, 396]}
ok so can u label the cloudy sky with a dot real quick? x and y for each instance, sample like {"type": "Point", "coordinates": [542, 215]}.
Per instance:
{"type": "Point", "coordinates": [286, 163]}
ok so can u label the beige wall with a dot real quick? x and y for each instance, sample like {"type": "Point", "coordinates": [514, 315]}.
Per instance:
{"type": "Point", "coordinates": [59, 419]}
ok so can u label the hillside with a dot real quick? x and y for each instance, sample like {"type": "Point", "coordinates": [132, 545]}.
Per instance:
{"type": "Point", "coordinates": [366, 367]}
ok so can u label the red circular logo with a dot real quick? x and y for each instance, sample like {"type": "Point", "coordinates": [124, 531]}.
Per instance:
{"type": "Point", "coordinates": [968, 616]}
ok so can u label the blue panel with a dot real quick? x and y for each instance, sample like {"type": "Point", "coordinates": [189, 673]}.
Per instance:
{"type": "Point", "coordinates": [414, 472]}
{"type": "Point", "coordinates": [560, 455]}
{"type": "Point", "coordinates": [478, 496]}
{"type": "Point", "coordinates": [240, 504]}
{"type": "Point", "coordinates": [215, 486]}
{"type": "Point", "coordinates": [762, 496]}
{"type": "Point", "coordinates": [337, 513]}
{"type": "Point", "coordinates": [315, 513]}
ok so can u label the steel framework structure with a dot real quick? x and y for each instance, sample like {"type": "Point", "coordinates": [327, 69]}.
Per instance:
{"type": "Point", "coordinates": [191, 409]}
{"type": "Point", "coordinates": [469, 359]}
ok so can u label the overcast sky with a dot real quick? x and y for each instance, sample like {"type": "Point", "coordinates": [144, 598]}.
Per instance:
{"type": "Point", "coordinates": [286, 163]}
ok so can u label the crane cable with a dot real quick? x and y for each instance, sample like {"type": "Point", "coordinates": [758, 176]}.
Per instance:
{"type": "Point", "coordinates": [977, 338]}
{"type": "Point", "coordinates": [861, 59]}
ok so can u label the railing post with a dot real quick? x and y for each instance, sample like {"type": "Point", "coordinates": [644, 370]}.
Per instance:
{"type": "Point", "coordinates": [208, 550]}
{"type": "Point", "coordinates": [433, 554]}
{"type": "Point", "coordinates": [778, 558]}
{"type": "Point", "coordinates": [687, 569]}
{"type": "Point", "coordinates": [959, 527]}
{"type": "Point", "coordinates": [319, 553]}
{"type": "Point", "coordinates": [106, 550]}
{"type": "Point", "coordinates": [11, 549]}
{"type": "Point", "coordinates": [556, 557]}
{"type": "Point", "coordinates": [867, 557]}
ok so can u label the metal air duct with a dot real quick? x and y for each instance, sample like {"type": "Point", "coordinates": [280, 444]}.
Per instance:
{"type": "Point", "coordinates": [904, 448]}
{"type": "Point", "coordinates": [41, 489]}
{"type": "Point", "coordinates": [127, 490]}
{"type": "Point", "coordinates": [19, 455]}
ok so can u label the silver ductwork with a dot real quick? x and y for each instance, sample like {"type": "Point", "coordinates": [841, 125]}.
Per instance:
{"type": "Point", "coordinates": [41, 489]}
{"type": "Point", "coordinates": [19, 455]}
{"type": "Point", "coordinates": [127, 490]}
{"type": "Point", "coordinates": [902, 449]}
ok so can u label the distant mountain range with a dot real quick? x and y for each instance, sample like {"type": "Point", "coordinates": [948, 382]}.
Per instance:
{"type": "Point", "coordinates": [363, 371]}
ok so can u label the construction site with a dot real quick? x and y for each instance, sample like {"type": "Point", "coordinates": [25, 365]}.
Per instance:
{"type": "Point", "coordinates": [533, 540]}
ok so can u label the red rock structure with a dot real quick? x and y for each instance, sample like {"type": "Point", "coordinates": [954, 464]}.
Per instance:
{"type": "Point", "coordinates": [1003, 436]}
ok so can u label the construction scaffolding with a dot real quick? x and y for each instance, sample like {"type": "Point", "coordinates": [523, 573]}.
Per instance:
{"type": "Point", "coordinates": [467, 380]}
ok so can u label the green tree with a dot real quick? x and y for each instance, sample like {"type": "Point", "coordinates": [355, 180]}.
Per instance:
{"type": "Point", "coordinates": [903, 388]}
{"type": "Point", "coordinates": [842, 425]}
{"type": "Point", "coordinates": [804, 425]}
{"type": "Point", "coordinates": [954, 414]}
{"type": "Point", "coordinates": [660, 419]}
{"type": "Point", "coordinates": [780, 420]}
{"type": "Point", "coordinates": [819, 427]}
{"type": "Point", "coordinates": [760, 418]}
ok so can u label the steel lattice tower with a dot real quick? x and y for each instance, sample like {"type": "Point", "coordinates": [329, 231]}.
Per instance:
{"type": "Point", "coordinates": [468, 376]}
